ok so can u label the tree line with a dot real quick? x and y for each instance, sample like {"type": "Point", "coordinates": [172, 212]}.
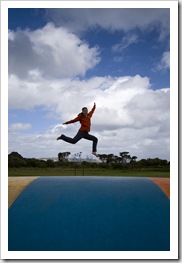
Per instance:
{"type": "Point", "coordinates": [122, 161]}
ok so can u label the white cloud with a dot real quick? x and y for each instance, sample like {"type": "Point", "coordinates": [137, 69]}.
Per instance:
{"type": "Point", "coordinates": [146, 108]}
{"type": "Point", "coordinates": [125, 42]}
{"type": "Point", "coordinates": [15, 127]}
{"type": "Point", "coordinates": [44, 64]}
{"type": "Point", "coordinates": [51, 51]}
{"type": "Point", "coordinates": [164, 62]}
{"type": "Point", "coordinates": [126, 19]}
{"type": "Point", "coordinates": [129, 115]}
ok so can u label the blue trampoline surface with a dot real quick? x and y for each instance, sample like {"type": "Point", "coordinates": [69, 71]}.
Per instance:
{"type": "Point", "coordinates": [90, 214]}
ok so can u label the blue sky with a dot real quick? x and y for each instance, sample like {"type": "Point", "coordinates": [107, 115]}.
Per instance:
{"type": "Point", "coordinates": [63, 59]}
{"type": "Point", "coordinates": [140, 57]}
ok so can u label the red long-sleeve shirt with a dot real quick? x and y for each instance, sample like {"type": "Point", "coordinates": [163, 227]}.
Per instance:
{"type": "Point", "coordinates": [85, 121]}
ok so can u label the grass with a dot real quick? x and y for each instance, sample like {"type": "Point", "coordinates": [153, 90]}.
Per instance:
{"type": "Point", "coordinates": [86, 172]}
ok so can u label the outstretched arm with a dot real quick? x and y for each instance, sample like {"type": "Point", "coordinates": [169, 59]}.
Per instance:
{"type": "Point", "coordinates": [72, 121]}
{"type": "Point", "coordinates": [92, 110]}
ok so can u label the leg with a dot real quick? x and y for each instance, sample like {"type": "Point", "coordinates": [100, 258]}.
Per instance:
{"type": "Point", "coordinates": [74, 140]}
{"type": "Point", "coordinates": [94, 139]}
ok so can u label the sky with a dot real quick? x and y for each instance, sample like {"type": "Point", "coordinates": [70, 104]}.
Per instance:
{"type": "Point", "coordinates": [62, 59]}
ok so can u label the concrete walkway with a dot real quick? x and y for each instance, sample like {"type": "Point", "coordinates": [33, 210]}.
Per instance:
{"type": "Point", "coordinates": [164, 184]}
{"type": "Point", "coordinates": [16, 185]}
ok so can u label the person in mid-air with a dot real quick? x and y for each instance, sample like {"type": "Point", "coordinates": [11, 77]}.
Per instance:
{"type": "Point", "coordinates": [85, 120]}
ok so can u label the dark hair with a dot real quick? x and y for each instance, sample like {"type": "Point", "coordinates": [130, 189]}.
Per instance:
{"type": "Point", "coordinates": [81, 113]}
{"type": "Point", "coordinates": [84, 108]}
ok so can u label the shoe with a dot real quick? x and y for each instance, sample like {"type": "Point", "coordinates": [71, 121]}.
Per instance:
{"type": "Point", "coordinates": [94, 153]}
{"type": "Point", "coordinates": [59, 138]}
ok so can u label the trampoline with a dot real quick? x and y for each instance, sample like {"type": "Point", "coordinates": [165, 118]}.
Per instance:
{"type": "Point", "coordinates": [70, 213]}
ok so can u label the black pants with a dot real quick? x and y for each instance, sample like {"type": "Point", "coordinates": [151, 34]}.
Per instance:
{"type": "Point", "coordinates": [82, 135]}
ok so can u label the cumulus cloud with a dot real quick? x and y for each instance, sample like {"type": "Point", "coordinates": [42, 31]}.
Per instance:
{"type": "Point", "coordinates": [111, 94]}
{"type": "Point", "coordinates": [61, 55]}
{"type": "Point", "coordinates": [165, 61]}
{"type": "Point", "coordinates": [129, 115]}
{"type": "Point", "coordinates": [43, 72]}
{"type": "Point", "coordinates": [15, 127]}
{"type": "Point", "coordinates": [126, 19]}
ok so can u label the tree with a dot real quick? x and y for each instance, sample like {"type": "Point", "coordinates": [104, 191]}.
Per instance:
{"type": "Point", "coordinates": [50, 163]}
{"type": "Point", "coordinates": [15, 155]}
{"type": "Point", "coordinates": [117, 159]}
{"type": "Point", "coordinates": [110, 158]}
{"type": "Point", "coordinates": [125, 157]}
{"type": "Point", "coordinates": [103, 157]}
{"type": "Point", "coordinates": [16, 160]}
{"type": "Point", "coordinates": [62, 157]}
{"type": "Point", "coordinates": [106, 158]}
{"type": "Point", "coordinates": [133, 159]}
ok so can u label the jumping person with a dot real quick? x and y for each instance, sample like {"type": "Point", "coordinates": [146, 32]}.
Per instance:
{"type": "Point", "coordinates": [85, 120]}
